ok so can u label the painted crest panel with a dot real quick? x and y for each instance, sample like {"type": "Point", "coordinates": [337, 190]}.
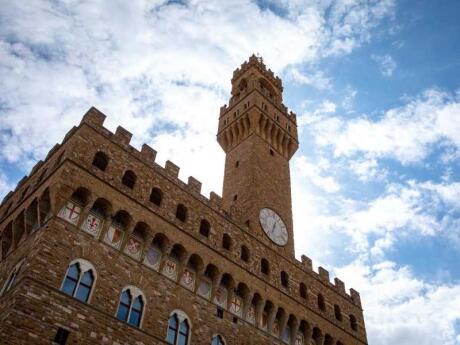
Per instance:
{"type": "Point", "coordinates": [251, 315]}
{"type": "Point", "coordinates": [204, 289]}
{"type": "Point", "coordinates": [153, 258]}
{"type": "Point", "coordinates": [170, 269]}
{"type": "Point", "coordinates": [236, 305]}
{"type": "Point", "coordinates": [299, 340]}
{"type": "Point", "coordinates": [188, 279]}
{"type": "Point", "coordinates": [264, 324]}
{"type": "Point", "coordinates": [70, 212]}
{"type": "Point", "coordinates": [276, 328]}
{"type": "Point", "coordinates": [92, 225]}
{"type": "Point", "coordinates": [114, 237]}
{"type": "Point", "coordinates": [221, 297]}
{"type": "Point", "coordinates": [134, 247]}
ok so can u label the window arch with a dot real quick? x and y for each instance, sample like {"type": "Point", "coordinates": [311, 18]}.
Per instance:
{"type": "Point", "coordinates": [264, 266]}
{"type": "Point", "coordinates": [79, 280]}
{"type": "Point", "coordinates": [303, 290]}
{"type": "Point", "coordinates": [12, 278]}
{"type": "Point", "coordinates": [129, 179]}
{"type": "Point", "coordinates": [178, 328]}
{"type": "Point", "coordinates": [321, 302]}
{"type": "Point", "coordinates": [337, 313]}
{"type": "Point", "coordinates": [244, 253]}
{"type": "Point", "coordinates": [100, 160]}
{"type": "Point", "coordinates": [156, 196]}
{"type": "Point", "coordinates": [284, 279]}
{"type": "Point", "coordinates": [217, 340]}
{"type": "Point", "coordinates": [353, 322]}
{"type": "Point", "coordinates": [227, 242]}
{"type": "Point", "coordinates": [205, 228]}
{"type": "Point", "coordinates": [181, 213]}
{"type": "Point", "coordinates": [131, 306]}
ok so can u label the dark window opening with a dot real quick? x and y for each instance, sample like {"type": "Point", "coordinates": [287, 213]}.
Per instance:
{"type": "Point", "coordinates": [237, 164]}
{"type": "Point", "coordinates": [156, 196]}
{"type": "Point", "coordinates": [321, 303]}
{"type": "Point", "coordinates": [226, 242]}
{"type": "Point", "coordinates": [272, 152]}
{"type": "Point", "coordinates": [181, 213]}
{"type": "Point", "coordinates": [220, 313]}
{"type": "Point", "coordinates": [100, 161]}
{"type": "Point", "coordinates": [129, 179]}
{"type": "Point", "coordinates": [235, 320]}
{"type": "Point", "coordinates": [353, 323]}
{"type": "Point", "coordinates": [244, 253]}
{"type": "Point", "coordinates": [337, 313]}
{"type": "Point", "coordinates": [61, 336]}
{"type": "Point", "coordinates": [303, 290]}
{"type": "Point", "coordinates": [235, 197]}
{"type": "Point", "coordinates": [284, 279]}
{"type": "Point", "coordinates": [205, 228]}
{"type": "Point", "coordinates": [264, 266]}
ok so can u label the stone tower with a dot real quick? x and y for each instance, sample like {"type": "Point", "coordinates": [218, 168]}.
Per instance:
{"type": "Point", "coordinates": [259, 137]}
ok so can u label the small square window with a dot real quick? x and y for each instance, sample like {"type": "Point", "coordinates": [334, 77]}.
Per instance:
{"type": "Point", "coordinates": [220, 313]}
{"type": "Point", "coordinates": [237, 164]}
{"type": "Point", "coordinates": [61, 336]}
{"type": "Point", "coordinates": [235, 320]}
{"type": "Point", "coordinates": [235, 197]}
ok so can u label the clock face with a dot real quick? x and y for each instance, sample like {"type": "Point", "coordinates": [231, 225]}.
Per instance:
{"type": "Point", "coordinates": [273, 226]}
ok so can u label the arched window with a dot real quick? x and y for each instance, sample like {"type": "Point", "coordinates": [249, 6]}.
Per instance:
{"type": "Point", "coordinates": [129, 179]}
{"type": "Point", "coordinates": [100, 160]}
{"type": "Point", "coordinates": [156, 196]}
{"type": "Point", "coordinates": [353, 322]}
{"type": "Point", "coordinates": [11, 278]}
{"type": "Point", "coordinates": [79, 280]}
{"type": "Point", "coordinates": [244, 253]}
{"type": "Point", "coordinates": [284, 279]}
{"type": "Point", "coordinates": [321, 302]}
{"type": "Point", "coordinates": [337, 313]}
{"type": "Point", "coordinates": [303, 290]}
{"type": "Point", "coordinates": [264, 266]}
{"type": "Point", "coordinates": [205, 228]}
{"type": "Point", "coordinates": [227, 242]}
{"type": "Point", "coordinates": [131, 306]}
{"type": "Point", "coordinates": [181, 213]}
{"type": "Point", "coordinates": [178, 329]}
{"type": "Point", "coordinates": [217, 340]}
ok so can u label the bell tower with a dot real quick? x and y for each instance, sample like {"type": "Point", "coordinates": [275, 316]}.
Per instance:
{"type": "Point", "coordinates": [259, 137]}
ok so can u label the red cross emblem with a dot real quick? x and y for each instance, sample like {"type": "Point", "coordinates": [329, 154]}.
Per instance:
{"type": "Point", "coordinates": [72, 211]}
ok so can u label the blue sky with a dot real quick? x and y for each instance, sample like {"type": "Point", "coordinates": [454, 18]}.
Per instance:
{"type": "Point", "coordinates": [376, 185]}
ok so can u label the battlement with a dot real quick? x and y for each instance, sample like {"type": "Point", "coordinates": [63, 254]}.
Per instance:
{"type": "Point", "coordinates": [258, 63]}
{"type": "Point", "coordinates": [147, 155]}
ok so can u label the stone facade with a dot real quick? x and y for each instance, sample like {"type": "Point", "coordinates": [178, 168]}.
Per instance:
{"type": "Point", "coordinates": [98, 203]}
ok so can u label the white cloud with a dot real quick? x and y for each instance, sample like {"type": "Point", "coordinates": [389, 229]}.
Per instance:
{"type": "Point", "coordinates": [401, 308]}
{"type": "Point", "coordinates": [387, 64]}
{"type": "Point", "coordinates": [314, 173]}
{"type": "Point", "coordinates": [407, 133]}
{"type": "Point", "coordinates": [315, 79]}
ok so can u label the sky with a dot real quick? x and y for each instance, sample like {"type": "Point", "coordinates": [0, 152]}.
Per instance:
{"type": "Point", "coordinates": [374, 84]}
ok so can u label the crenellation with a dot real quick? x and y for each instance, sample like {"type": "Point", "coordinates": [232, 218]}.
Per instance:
{"type": "Point", "coordinates": [21, 182]}
{"type": "Point", "coordinates": [172, 169]}
{"type": "Point", "coordinates": [324, 274]}
{"type": "Point", "coordinates": [339, 285]}
{"type": "Point", "coordinates": [194, 185]}
{"type": "Point", "coordinates": [307, 263]}
{"type": "Point", "coordinates": [94, 117]}
{"type": "Point", "coordinates": [37, 166]}
{"type": "Point", "coordinates": [52, 151]}
{"type": "Point", "coordinates": [148, 154]}
{"type": "Point", "coordinates": [69, 133]}
{"type": "Point", "coordinates": [215, 199]}
{"type": "Point", "coordinates": [123, 136]}
{"type": "Point", "coordinates": [356, 298]}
